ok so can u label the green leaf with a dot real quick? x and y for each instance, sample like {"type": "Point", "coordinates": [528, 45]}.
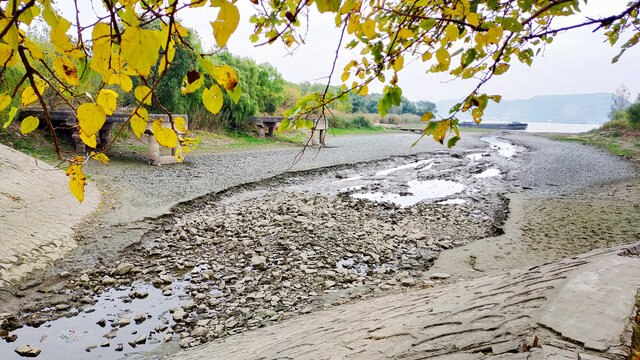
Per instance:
{"type": "Point", "coordinates": [12, 114]}
{"type": "Point", "coordinates": [235, 94]}
{"type": "Point", "coordinates": [452, 142]}
{"type": "Point", "coordinates": [284, 125]}
{"type": "Point", "coordinates": [512, 24]}
{"type": "Point", "coordinates": [468, 57]}
{"type": "Point", "coordinates": [396, 95]}
{"type": "Point", "coordinates": [383, 109]}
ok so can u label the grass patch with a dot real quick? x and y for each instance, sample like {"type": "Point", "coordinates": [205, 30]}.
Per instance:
{"type": "Point", "coordinates": [353, 131]}
{"type": "Point", "coordinates": [616, 142]}
{"type": "Point", "coordinates": [37, 144]}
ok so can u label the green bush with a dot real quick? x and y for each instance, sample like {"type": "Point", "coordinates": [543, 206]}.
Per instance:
{"type": "Point", "coordinates": [361, 123]}
{"type": "Point", "coordinates": [633, 115]}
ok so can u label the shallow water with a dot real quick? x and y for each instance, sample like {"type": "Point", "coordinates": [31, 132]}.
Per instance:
{"type": "Point", "coordinates": [419, 190]}
{"type": "Point", "coordinates": [488, 173]}
{"type": "Point", "coordinates": [504, 148]}
{"type": "Point", "coordinates": [67, 338]}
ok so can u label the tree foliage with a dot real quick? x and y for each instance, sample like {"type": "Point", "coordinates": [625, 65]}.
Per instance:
{"type": "Point", "coordinates": [133, 47]}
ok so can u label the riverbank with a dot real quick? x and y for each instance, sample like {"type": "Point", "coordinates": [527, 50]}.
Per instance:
{"type": "Point", "coordinates": [256, 254]}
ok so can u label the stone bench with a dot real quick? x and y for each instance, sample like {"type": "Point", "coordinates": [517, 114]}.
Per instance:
{"type": "Point", "coordinates": [262, 122]}
{"type": "Point", "coordinates": [268, 122]}
{"type": "Point", "coordinates": [65, 119]}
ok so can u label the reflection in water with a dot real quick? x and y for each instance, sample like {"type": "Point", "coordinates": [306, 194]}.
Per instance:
{"type": "Point", "coordinates": [504, 148]}
{"type": "Point", "coordinates": [68, 338]}
{"type": "Point", "coordinates": [419, 190]}
{"type": "Point", "coordinates": [488, 173]}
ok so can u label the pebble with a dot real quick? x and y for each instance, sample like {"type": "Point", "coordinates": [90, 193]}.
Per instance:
{"type": "Point", "coordinates": [122, 322]}
{"type": "Point", "coordinates": [139, 318]}
{"type": "Point", "coordinates": [123, 268]}
{"type": "Point", "coordinates": [28, 351]}
{"type": "Point", "coordinates": [141, 340]}
{"type": "Point", "coordinates": [259, 262]}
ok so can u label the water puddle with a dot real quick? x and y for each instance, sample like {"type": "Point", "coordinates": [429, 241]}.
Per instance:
{"type": "Point", "coordinates": [418, 191]}
{"type": "Point", "coordinates": [488, 173]}
{"type": "Point", "coordinates": [504, 148]}
{"type": "Point", "coordinates": [69, 338]}
{"type": "Point", "coordinates": [403, 167]}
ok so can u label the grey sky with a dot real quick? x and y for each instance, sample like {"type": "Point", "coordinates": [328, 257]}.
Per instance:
{"type": "Point", "coordinates": [576, 62]}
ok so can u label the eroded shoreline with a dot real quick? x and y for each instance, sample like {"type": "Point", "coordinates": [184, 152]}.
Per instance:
{"type": "Point", "coordinates": [245, 291]}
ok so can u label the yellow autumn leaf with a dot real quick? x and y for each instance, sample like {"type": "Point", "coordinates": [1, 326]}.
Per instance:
{"type": "Point", "coordinates": [369, 28]}
{"type": "Point", "coordinates": [472, 19]}
{"type": "Point", "coordinates": [212, 99]}
{"type": "Point", "coordinates": [452, 32]}
{"type": "Point", "coordinates": [7, 55]}
{"type": "Point", "coordinates": [405, 33]}
{"type": "Point", "coordinates": [443, 57]}
{"type": "Point", "coordinates": [34, 49]}
{"type": "Point", "coordinates": [108, 99]}
{"type": "Point", "coordinates": [5, 100]}
{"type": "Point", "coordinates": [29, 124]}
{"type": "Point", "coordinates": [364, 90]}
{"type": "Point", "coordinates": [440, 131]}
{"type": "Point", "coordinates": [180, 124]}
{"type": "Point", "coordinates": [477, 115]}
{"type": "Point", "coordinates": [65, 69]}
{"type": "Point", "coordinates": [140, 49]}
{"type": "Point", "coordinates": [226, 76]}
{"type": "Point", "coordinates": [191, 82]}
{"type": "Point", "coordinates": [494, 34]}
{"type": "Point", "coordinates": [139, 121]}
{"type": "Point", "coordinates": [226, 23]}
{"type": "Point", "coordinates": [60, 40]}
{"type": "Point", "coordinates": [122, 80]}
{"type": "Point", "coordinates": [77, 181]}
{"type": "Point", "coordinates": [398, 64]}
{"type": "Point", "coordinates": [91, 118]}
{"type": "Point", "coordinates": [345, 76]}
{"type": "Point", "coordinates": [100, 157]}
{"type": "Point", "coordinates": [29, 95]}
{"type": "Point", "coordinates": [143, 94]}
{"type": "Point", "coordinates": [11, 36]}
{"type": "Point", "coordinates": [165, 136]}
{"type": "Point", "coordinates": [89, 140]}
{"type": "Point", "coordinates": [428, 116]}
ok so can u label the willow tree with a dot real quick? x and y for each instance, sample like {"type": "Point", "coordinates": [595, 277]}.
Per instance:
{"type": "Point", "coordinates": [467, 39]}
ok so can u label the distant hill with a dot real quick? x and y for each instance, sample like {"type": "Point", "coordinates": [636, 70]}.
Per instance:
{"type": "Point", "coordinates": [578, 108]}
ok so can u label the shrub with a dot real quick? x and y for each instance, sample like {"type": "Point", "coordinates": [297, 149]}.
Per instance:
{"type": "Point", "coordinates": [361, 123]}
{"type": "Point", "coordinates": [633, 114]}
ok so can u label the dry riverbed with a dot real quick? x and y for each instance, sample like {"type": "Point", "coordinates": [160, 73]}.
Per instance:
{"type": "Point", "coordinates": [256, 254]}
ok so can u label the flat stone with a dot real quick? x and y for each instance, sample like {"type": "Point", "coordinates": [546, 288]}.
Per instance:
{"type": "Point", "coordinates": [28, 351]}
{"type": "Point", "coordinates": [602, 293]}
{"type": "Point", "coordinates": [440, 276]}
{"type": "Point", "coordinates": [122, 322]}
{"type": "Point", "coordinates": [505, 347]}
{"type": "Point", "coordinates": [123, 268]}
{"type": "Point", "coordinates": [259, 262]}
{"type": "Point", "coordinates": [141, 339]}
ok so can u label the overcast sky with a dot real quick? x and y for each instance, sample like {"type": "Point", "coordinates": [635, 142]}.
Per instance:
{"type": "Point", "coordinates": [576, 62]}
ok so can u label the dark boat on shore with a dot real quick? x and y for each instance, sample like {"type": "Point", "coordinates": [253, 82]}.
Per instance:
{"type": "Point", "coordinates": [499, 126]}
